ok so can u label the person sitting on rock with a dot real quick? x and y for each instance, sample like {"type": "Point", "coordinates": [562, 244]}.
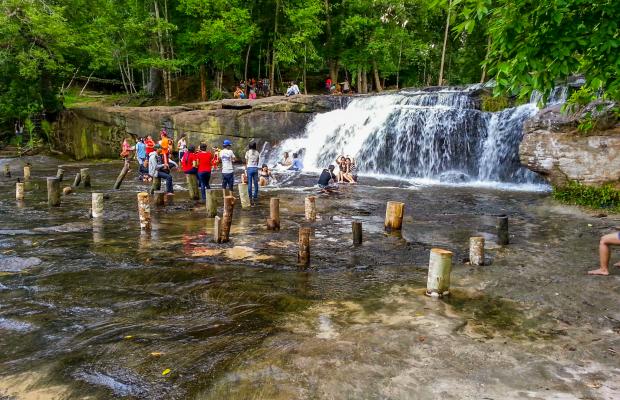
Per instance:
{"type": "Point", "coordinates": [158, 169]}
{"type": "Point", "coordinates": [264, 175]}
{"type": "Point", "coordinates": [611, 239]}
{"type": "Point", "coordinates": [297, 165]}
{"type": "Point", "coordinates": [292, 90]}
{"type": "Point", "coordinates": [327, 175]}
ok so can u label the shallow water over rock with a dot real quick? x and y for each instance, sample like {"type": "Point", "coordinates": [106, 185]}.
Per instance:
{"type": "Point", "coordinates": [109, 312]}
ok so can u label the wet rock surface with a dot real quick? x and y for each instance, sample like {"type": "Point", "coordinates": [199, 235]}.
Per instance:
{"type": "Point", "coordinates": [97, 131]}
{"type": "Point", "coordinates": [554, 147]}
{"type": "Point", "coordinates": [108, 310]}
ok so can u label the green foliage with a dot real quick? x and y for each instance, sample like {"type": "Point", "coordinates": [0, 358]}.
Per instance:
{"type": "Point", "coordinates": [575, 193]}
{"type": "Point", "coordinates": [495, 103]}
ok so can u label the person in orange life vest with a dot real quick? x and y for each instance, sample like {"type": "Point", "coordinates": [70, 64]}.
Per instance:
{"type": "Point", "coordinates": [165, 146]}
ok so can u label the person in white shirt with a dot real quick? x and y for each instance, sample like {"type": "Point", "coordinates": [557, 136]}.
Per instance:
{"type": "Point", "coordinates": [252, 157]}
{"type": "Point", "coordinates": [227, 157]}
{"type": "Point", "coordinates": [292, 90]}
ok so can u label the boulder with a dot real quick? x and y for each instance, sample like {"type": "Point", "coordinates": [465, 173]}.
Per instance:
{"type": "Point", "coordinates": [554, 147]}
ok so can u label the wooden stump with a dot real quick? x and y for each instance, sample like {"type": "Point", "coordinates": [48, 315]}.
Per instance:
{"type": "Point", "coordinates": [229, 206]}
{"type": "Point", "coordinates": [53, 191]}
{"type": "Point", "coordinates": [156, 185]}
{"type": "Point", "coordinates": [303, 256]}
{"type": "Point", "coordinates": [168, 199]}
{"type": "Point", "coordinates": [67, 190]}
{"type": "Point", "coordinates": [476, 250]}
{"type": "Point", "coordinates": [356, 227]}
{"type": "Point", "coordinates": [211, 202]}
{"type": "Point", "coordinates": [439, 268]}
{"type": "Point", "coordinates": [158, 198]}
{"type": "Point", "coordinates": [244, 196]}
{"type": "Point", "coordinates": [27, 171]}
{"type": "Point", "coordinates": [226, 192]}
{"type": "Point", "coordinates": [60, 174]}
{"type": "Point", "coordinates": [273, 222]}
{"type": "Point", "coordinates": [7, 170]}
{"type": "Point", "coordinates": [121, 176]}
{"type": "Point", "coordinates": [144, 210]}
{"type": "Point", "coordinates": [192, 185]}
{"type": "Point", "coordinates": [85, 173]}
{"type": "Point", "coordinates": [77, 180]}
{"type": "Point", "coordinates": [217, 229]}
{"type": "Point", "coordinates": [310, 208]}
{"type": "Point", "coordinates": [394, 213]}
{"type": "Point", "coordinates": [19, 191]}
{"type": "Point", "coordinates": [502, 230]}
{"type": "Point", "coordinates": [97, 204]}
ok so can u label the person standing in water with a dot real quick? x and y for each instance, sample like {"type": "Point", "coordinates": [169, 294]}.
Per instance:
{"type": "Point", "coordinates": [227, 158]}
{"type": "Point", "coordinates": [611, 239]}
{"type": "Point", "coordinates": [182, 146]}
{"type": "Point", "coordinates": [150, 145]}
{"type": "Point", "coordinates": [165, 146]}
{"type": "Point", "coordinates": [251, 167]}
{"type": "Point", "coordinates": [141, 151]}
{"type": "Point", "coordinates": [205, 160]}
{"type": "Point", "coordinates": [157, 169]}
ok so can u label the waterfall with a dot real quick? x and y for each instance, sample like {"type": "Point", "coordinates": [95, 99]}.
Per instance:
{"type": "Point", "coordinates": [437, 136]}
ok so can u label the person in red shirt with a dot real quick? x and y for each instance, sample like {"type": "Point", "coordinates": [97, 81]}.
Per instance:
{"type": "Point", "coordinates": [205, 162]}
{"type": "Point", "coordinates": [150, 145]}
{"type": "Point", "coordinates": [189, 162]}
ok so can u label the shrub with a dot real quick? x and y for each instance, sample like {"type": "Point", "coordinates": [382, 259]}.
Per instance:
{"type": "Point", "coordinates": [575, 193]}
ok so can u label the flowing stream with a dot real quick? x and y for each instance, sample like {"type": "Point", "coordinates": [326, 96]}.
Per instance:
{"type": "Point", "coordinates": [420, 136]}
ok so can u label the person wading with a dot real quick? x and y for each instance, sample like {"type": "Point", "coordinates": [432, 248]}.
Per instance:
{"type": "Point", "coordinates": [227, 158]}
{"type": "Point", "coordinates": [205, 160]}
{"type": "Point", "coordinates": [251, 168]}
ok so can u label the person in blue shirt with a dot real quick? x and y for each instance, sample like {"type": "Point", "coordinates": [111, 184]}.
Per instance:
{"type": "Point", "coordinates": [141, 151]}
{"type": "Point", "coordinates": [298, 165]}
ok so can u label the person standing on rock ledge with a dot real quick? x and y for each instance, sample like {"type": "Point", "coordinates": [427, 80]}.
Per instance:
{"type": "Point", "coordinates": [603, 253]}
{"type": "Point", "coordinates": [228, 172]}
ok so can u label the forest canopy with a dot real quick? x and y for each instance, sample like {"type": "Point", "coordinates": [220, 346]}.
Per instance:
{"type": "Point", "coordinates": [150, 47]}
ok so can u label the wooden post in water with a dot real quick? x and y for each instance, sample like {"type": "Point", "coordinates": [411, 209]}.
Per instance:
{"type": "Point", "coordinates": [156, 185]}
{"type": "Point", "coordinates": [77, 180]}
{"type": "Point", "coordinates": [192, 185]}
{"type": "Point", "coordinates": [244, 196]}
{"type": "Point", "coordinates": [121, 176]}
{"type": "Point", "coordinates": [476, 250]}
{"type": "Point", "coordinates": [310, 208]}
{"type": "Point", "coordinates": [229, 206]}
{"type": "Point", "coordinates": [97, 205]}
{"type": "Point", "coordinates": [53, 191]}
{"type": "Point", "coordinates": [27, 171]}
{"type": "Point", "coordinates": [144, 211]}
{"type": "Point", "coordinates": [158, 198]}
{"type": "Point", "coordinates": [303, 256]}
{"type": "Point", "coordinates": [85, 174]}
{"type": "Point", "coordinates": [217, 229]}
{"type": "Point", "coordinates": [439, 268]}
{"type": "Point", "coordinates": [226, 192]}
{"type": "Point", "coordinates": [7, 170]}
{"type": "Point", "coordinates": [60, 174]}
{"type": "Point", "coordinates": [211, 203]}
{"type": "Point", "coordinates": [502, 230]}
{"type": "Point", "coordinates": [273, 222]}
{"type": "Point", "coordinates": [168, 199]}
{"type": "Point", "coordinates": [394, 213]}
{"type": "Point", "coordinates": [356, 227]}
{"type": "Point", "coordinates": [19, 191]}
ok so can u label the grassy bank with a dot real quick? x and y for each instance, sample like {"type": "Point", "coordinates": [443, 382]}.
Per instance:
{"type": "Point", "coordinates": [601, 198]}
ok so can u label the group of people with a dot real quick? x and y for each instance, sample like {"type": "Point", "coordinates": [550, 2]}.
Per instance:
{"type": "Point", "coordinates": [252, 88]}
{"type": "Point", "coordinates": [337, 88]}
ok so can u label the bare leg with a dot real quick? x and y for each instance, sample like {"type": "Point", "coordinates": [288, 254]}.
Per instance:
{"type": "Point", "coordinates": [603, 251]}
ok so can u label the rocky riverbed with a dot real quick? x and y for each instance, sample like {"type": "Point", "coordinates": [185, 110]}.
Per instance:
{"type": "Point", "coordinates": [101, 310]}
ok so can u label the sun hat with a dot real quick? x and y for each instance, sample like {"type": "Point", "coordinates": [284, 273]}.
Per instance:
{"type": "Point", "coordinates": [227, 142]}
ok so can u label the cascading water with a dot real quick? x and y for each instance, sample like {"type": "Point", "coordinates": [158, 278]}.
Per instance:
{"type": "Point", "coordinates": [439, 136]}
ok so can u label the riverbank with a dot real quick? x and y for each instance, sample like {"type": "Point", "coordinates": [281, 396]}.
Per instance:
{"type": "Point", "coordinates": [103, 312]}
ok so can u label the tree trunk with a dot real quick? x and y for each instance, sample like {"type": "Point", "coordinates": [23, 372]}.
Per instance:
{"type": "Point", "coordinates": [152, 86]}
{"type": "Point", "coordinates": [245, 75]}
{"type": "Point", "coordinates": [359, 80]}
{"type": "Point", "coordinates": [162, 53]}
{"type": "Point", "coordinates": [88, 80]}
{"type": "Point", "coordinates": [445, 44]}
{"type": "Point", "coordinates": [304, 72]}
{"type": "Point", "coordinates": [400, 56]}
{"type": "Point", "coordinates": [364, 81]}
{"type": "Point", "coordinates": [375, 71]}
{"type": "Point", "coordinates": [272, 72]}
{"type": "Point", "coordinates": [333, 71]}
{"type": "Point", "coordinates": [203, 83]}
{"type": "Point", "coordinates": [486, 57]}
